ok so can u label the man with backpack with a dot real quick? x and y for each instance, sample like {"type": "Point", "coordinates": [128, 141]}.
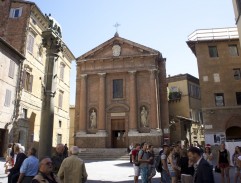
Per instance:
{"type": "Point", "coordinates": [144, 160]}
{"type": "Point", "coordinates": [134, 155]}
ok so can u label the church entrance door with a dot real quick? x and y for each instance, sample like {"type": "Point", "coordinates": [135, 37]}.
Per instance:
{"type": "Point", "coordinates": [118, 133]}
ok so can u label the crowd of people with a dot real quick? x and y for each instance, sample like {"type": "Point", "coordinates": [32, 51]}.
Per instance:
{"type": "Point", "coordinates": [184, 164]}
{"type": "Point", "coordinates": [61, 167]}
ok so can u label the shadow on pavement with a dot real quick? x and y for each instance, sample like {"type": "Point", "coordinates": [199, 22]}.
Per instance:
{"type": "Point", "coordinates": [125, 164]}
{"type": "Point", "coordinates": [154, 180]}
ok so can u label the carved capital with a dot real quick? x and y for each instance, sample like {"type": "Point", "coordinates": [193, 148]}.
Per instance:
{"type": "Point", "coordinates": [102, 75]}
{"type": "Point", "coordinates": [83, 76]}
{"type": "Point", "coordinates": [132, 73]}
{"type": "Point", "coordinates": [52, 43]}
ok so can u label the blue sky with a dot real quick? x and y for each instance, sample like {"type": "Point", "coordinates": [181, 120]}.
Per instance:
{"type": "Point", "coordinates": [163, 25]}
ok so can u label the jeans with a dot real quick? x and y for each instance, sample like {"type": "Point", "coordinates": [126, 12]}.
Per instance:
{"type": "Point", "coordinates": [144, 174]}
{"type": "Point", "coordinates": [165, 178]}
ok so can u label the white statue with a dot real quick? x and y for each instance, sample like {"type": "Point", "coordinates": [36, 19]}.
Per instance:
{"type": "Point", "coordinates": [144, 117]}
{"type": "Point", "coordinates": [93, 119]}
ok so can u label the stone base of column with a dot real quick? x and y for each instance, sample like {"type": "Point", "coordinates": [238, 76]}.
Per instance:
{"type": "Point", "coordinates": [133, 132]}
{"type": "Point", "coordinates": [156, 131]}
{"type": "Point", "coordinates": [80, 133]}
{"type": "Point", "coordinates": [102, 133]}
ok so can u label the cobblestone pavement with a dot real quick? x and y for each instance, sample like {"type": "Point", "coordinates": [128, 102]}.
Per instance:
{"type": "Point", "coordinates": [109, 171]}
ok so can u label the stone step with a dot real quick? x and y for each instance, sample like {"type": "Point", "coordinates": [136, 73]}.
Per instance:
{"type": "Point", "coordinates": [104, 154]}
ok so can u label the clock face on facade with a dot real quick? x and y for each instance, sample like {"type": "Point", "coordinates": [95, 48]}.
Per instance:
{"type": "Point", "coordinates": [116, 49]}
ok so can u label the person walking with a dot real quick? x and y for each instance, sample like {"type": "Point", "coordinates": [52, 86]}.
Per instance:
{"type": "Point", "coordinates": [144, 160]}
{"type": "Point", "coordinates": [29, 167]}
{"type": "Point", "coordinates": [19, 157]}
{"type": "Point", "coordinates": [151, 166]}
{"type": "Point", "coordinates": [72, 169]}
{"type": "Point", "coordinates": [165, 174]}
{"type": "Point", "coordinates": [224, 163]}
{"type": "Point", "coordinates": [134, 154]}
{"type": "Point", "coordinates": [58, 157]}
{"type": "Point", "coordinates": [203, 171]}
{"type": "Point", "coordinates": [45, 174]}
{"type": "Point", "coordinates": [208, 156]}
{"type": "Point", "coordinates": [235, 156]}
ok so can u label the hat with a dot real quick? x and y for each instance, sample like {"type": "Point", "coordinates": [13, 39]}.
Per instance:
{"type": "Point", "coordinates": [208, 145]}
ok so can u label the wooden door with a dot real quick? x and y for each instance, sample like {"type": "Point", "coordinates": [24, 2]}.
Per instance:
{"type": "Point", "coordinates": [118, 133]}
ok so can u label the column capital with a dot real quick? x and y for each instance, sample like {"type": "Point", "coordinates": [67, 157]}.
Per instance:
{"type": "Point", "coordinates": [83, 76]}
{"type": "Point", "coordinates": [132, 72]}
{"type": "Point", "coordinates": [102, 74]}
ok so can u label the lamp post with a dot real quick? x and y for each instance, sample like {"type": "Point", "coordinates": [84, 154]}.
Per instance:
{"type": "Point", "coordinates": [53, 44]}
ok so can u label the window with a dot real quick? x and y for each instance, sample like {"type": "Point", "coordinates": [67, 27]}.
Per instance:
{"type": "Point", "coordinates": [59, 138]}
{"type": "Point", "coordinates": [61, 74]}
{"type": "Point", "coordinates": [238, 98]}
{"type": "Point", "coordinates": [11, 69]}
{"type": "Point", "coordinates": [194, 91]}
{"type": "Point", "coordinates": [213, 51]}
{"type": "Point", "coordinates": [30, 43]}
{"type": "Point", "coordinates": [238, 2]}
{"type": "Point", "coordinates": [27, 81]}
{"type": "Point", "coordinates": [195, 131]}
{"type": "Point", "coordinates": [25, 113]}
{"type": "Point", "coordinates": [15, 12]}
{"type": "Point", "coordinates": [216, 77]}
{"type": "Point", "coordinates": [236, 74]}
{"type": "Point", "coordinates": [60, 124]}
{"type": "Point", "coordinates": [219, 99]}
{"type": "Point", "coordinates": [61, 99]}
{"type": "Point", "coordinates": [233, 50]}
{"type": "Point", "coordinates": [118, 88]}
{"type": "Point", "coordinates": [7, 98]}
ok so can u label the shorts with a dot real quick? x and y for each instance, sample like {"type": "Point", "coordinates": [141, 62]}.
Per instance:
{"type": "Point", "coordinates": [136, 170]}
{"type": "Point", "coordinates": [223, 165]}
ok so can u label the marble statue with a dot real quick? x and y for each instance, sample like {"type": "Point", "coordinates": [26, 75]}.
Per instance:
{"type": "Point", "coordinates": [93, 119]}
{"type": "Point", "coordinates": [144, 117]}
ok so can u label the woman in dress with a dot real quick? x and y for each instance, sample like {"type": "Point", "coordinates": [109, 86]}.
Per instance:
{"type": "Point", "coordinates": [235, 156]}
{"type": "Point", "coordinates": [207, 155]}
{"type": "Point", "coordinates": [224, 163]}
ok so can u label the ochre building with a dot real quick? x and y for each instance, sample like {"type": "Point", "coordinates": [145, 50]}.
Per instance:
{"type": "Point", "coordinates": [121, 95]}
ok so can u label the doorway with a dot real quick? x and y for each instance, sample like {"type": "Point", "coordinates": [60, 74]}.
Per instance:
{"type": "Point", "coordinates": [2, 142]}
{"type": "Point", "coordinates": [118, 134]}
{"type": "Point", "coordinates": [233, 133]}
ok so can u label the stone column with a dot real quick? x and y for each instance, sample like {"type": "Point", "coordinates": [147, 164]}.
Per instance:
{"type": "Point", "coordinates": [153, 90]}
{"type": "Point", "coordinates": [82, 105]}
{"type": "Point", "coordinates": [102, 97]}
{"type": "Point", "coordinates": [133, 103]}
{"type": "Point", "coordinates": [53, 44]}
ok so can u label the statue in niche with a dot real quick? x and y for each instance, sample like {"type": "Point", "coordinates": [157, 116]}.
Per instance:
{"type": "Point", "coordinates": [144, 117]}
{"type": "Point", "coordinates": [93, 119]}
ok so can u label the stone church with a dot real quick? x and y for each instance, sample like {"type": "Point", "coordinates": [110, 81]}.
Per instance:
{"type": "Point", "coordinates": [121, 96]}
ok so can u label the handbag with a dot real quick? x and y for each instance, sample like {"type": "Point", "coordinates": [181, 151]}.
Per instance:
{"type": "Point", "coordinates": [217, 170]}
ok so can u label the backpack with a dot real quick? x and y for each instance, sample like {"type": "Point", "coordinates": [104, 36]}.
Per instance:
{"type": "Point", "coordinates": [158, 163]}
{"type": "Point", "coordinates": [136, 162]}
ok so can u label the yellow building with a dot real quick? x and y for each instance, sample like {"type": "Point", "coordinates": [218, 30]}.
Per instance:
{"type": "Point", "coordinates": [24, 24]}
{"type": "Point", "coordinates": [185, 109]}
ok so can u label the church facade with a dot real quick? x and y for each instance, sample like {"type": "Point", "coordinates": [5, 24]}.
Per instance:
{"type": "Point", "coordinates": [121, 96]}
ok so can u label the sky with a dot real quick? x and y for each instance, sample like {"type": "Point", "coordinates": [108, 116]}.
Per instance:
{"type": "Point", "coordinates": [163, 25]}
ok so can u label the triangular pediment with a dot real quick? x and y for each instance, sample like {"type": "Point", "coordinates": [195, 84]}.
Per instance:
{"type": "Point", "coordinates": [117, 47]}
